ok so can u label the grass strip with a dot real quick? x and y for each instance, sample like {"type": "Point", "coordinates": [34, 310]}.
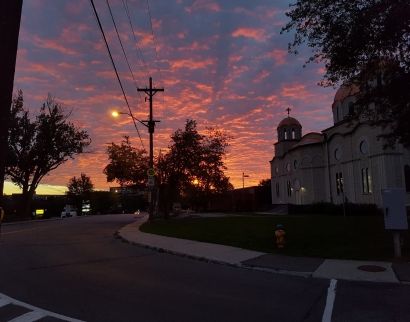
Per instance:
{"type": "Point", "coordinates": [356, 238]}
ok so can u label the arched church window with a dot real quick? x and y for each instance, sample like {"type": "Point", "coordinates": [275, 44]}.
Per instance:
{"type": "Point", "coordinates": [407, 177]}
{"type": "Point", "coordinates": [288, 167]}
{"type": "Point", "coordinates": [293, 133]}
{"type": "Point", "coordinates": [339, 183]}
{"type": "Point", "coordinates": [364, 148]}
{"type": "Point", "coordinates": [285, 136]}
{"type": "Point", "coordinates": [289, 188]}
{"type": "Point", "coordinates": [351, 110]}
{"type": "Point", "coordinates": [338, 154]}
{"type": "Point", "coordinates": [366, 180]}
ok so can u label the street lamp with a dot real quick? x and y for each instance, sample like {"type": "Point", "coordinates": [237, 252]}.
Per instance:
{"type": "Point", "coordinates": [243, 190]}
{"type": "Point", "coordinates": [116, 114]}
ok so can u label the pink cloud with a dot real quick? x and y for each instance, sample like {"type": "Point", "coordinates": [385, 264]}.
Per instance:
{"type": "Point", "coordinates": [295, 91]}
{"type": "Point", "coordinates": [199, 49]}
{"type": "Point", "coordinates": [255, 33]}
{"type": "Point", "coordinates": [203, 4]}
{"type": "Point", "coordinates": [73, 8]}
{"type": "Point", "coordinates": [195, 46]}
{"type": "Point", "coordinates": [191, 63]}
{"type": "Point", "coordinates": [279, 56]}
{"type": "Point", "coordinates": [87, 89]}
{"type": "Point", "coordinates": [261, 76]}
{"type": "Point", "coordinates": [52, 44]}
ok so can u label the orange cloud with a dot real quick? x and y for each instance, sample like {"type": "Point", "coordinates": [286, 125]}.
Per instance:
{"type": "Point", "coordinates": [295, 91]}
{"type": "Point", "coordinates": [257, 34]}
{"type": "Point", "coordinates": [87, 89]}
{"type": "Point", "coordinates": [279, 56]}
{"type": "Point", "coordinates": [191, 63]}
{"type": "Point", "coordinates": [52, 44]}
{"type": "Point", "coordinates": [261, 76]}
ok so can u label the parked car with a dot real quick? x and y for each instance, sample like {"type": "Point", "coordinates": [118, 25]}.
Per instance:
{"type": "Point", "coordinates": [67, 214]}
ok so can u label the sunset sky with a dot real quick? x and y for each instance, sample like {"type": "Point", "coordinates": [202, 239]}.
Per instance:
{"type": "Point", "coordinates": [222, 63]}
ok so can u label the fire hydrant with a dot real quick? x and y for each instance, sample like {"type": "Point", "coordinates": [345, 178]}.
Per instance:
{"type": "Point", "coordinates": [280, 236]}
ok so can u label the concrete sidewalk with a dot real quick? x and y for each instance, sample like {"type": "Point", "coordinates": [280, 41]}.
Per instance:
{"type": "Point", "coordinates": [310, 267]}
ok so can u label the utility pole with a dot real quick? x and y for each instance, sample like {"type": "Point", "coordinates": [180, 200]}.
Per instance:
{"type": "Point", "coordinates": [10, 17]}
{"type": "Point", "coordinates": [151, 126]}
{"type": "Point", "coordinates": [243, 190]}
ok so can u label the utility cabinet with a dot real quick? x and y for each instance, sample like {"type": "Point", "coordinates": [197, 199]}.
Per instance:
{"type": "Point", "coordinates": [394, 208]}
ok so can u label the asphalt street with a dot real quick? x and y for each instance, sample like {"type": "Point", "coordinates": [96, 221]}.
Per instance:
{"type": "Point", "coordinates": [78, 268]}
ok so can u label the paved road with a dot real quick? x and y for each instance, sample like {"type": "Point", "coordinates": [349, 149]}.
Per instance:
{"type": "Point", "coordinates": [77, 268]}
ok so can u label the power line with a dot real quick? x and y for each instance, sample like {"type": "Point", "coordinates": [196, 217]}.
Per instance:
{"type": "Point", "coordinates": [122, 47]}
{"type": "Point", "coordinates": [156, 53]}
{"type": "Point", "coordinates": [139, 52]}
{"type": "Point", "coordinates": [155, 46]}
{"type": "Point", "coordinates": [113, 64]}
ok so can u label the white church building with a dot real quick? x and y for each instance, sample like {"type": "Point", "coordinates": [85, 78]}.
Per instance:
{"type": "Point", "coordinates": [341, 163]}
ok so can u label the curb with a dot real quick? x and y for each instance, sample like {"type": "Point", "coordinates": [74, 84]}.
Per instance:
{"type": "Point", "coordinates": [214, 261]}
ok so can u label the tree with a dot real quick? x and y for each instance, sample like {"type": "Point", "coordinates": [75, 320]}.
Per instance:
{"type": "Point", "coordinates": [193, 168]}
{"type": "Point", "coordinates": [79, 190]}
{"type": "Point", "coordinates": [265, 182]}
{"type": "Point", "coordinates": [104, 202]}
{"type": "Point", "coordinates": [365, 45]}
{"type": "Point", "coordinates": [40, 143]}
{"type": "Point", "coordinates": [128, 165]}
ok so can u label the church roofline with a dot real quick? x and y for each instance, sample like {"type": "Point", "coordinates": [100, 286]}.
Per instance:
{"type": "Point", "coordinates": [354, 128]}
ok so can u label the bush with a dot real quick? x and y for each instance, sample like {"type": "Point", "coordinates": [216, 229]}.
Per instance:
{"type": "Point", "coordinates": [351, 209]}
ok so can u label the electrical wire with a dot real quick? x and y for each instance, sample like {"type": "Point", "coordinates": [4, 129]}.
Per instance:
{"type": "Point", "coordinates": [139, 52]}
{"type": "Point", "coordinates": [155, 46]}
{"type": "Point", "coordinates": [156, 53]}
{"type": "Point", "coordinates": [115, 69]}
{"type": "Point", "coordinates": [123, 50]}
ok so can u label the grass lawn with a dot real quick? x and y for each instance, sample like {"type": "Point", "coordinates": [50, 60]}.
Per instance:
{"type": "Point", "coordinates": [359, 238]}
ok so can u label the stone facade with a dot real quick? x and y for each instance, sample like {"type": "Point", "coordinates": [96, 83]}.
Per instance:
{"type": "Point", "coordinates": [342, 162]}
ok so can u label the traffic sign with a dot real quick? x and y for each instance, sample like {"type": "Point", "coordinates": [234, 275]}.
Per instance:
{"type": "Point", "coordinates": [151, 172]}
{"type": "Point", "coordinates": [151, 181]}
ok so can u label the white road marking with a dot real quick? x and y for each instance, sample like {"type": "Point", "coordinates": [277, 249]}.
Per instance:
{"type": "Point", "coordinates": [331, 295]}
{"type": "Point", "coordinates": [30, 317]}
{"type": "Point", "coordinates": [35, 314]}
{"type": "Point", "coordinates": [4, 302]}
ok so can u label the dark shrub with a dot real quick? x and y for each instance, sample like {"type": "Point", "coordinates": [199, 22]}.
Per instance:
{"type": "Point", "coordinates": [350, 209]}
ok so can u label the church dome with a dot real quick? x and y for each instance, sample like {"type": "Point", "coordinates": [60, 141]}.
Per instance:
{"type": "Point", "coordinates": [343, 92]}
{"type": "Point", "coordinates": [289, 121]}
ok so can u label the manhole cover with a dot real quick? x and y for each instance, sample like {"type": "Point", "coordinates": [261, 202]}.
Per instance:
{"type": "Point", "coordinates": [371, 268]}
